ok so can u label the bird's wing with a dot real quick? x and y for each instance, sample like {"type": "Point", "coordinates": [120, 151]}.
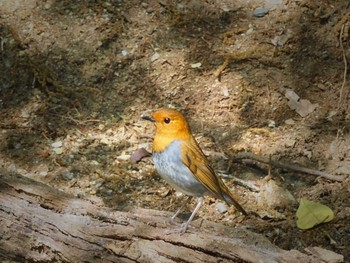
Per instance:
{"type": "Point", "coordinates": [195, 160]}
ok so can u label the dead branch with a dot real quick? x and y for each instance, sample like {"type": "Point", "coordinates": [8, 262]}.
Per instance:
{"type": "Point", "coordinates": [250, 158]}
{"type": "Point", "coordinates": [345, 66]}
{"type": "Point", "coordinates": [41, 224]}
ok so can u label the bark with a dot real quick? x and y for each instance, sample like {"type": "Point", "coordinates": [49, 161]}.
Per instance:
{"type": "Point", "coordinates": [41, 224]}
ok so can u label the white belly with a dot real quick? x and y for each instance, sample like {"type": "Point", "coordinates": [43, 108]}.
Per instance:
{"type": "Point", "coordinates": [171, 168]}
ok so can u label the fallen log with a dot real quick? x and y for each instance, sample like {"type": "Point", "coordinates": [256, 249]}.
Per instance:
{"type": "Point", "coordinates": [41, 224]}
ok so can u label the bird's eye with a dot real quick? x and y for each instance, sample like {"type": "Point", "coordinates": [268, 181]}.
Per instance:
{"type": "Point", "coordinates": [166, 120]}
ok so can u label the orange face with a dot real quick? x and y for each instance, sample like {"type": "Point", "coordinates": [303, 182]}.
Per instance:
{"type": "Point", "coordinates": [169, 122]}
{"type": "Point", "coordinates": [171, 125]}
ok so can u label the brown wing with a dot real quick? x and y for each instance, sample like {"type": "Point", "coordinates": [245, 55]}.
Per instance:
{"type": "Point", "coordinates": [195, 160]}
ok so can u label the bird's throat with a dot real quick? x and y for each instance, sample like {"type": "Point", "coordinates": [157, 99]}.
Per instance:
{"type": "Point", "coordinates": [162, 141]}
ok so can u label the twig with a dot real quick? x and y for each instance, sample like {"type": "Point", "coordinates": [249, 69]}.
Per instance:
{"type": "Point", "coordinates": [329, 14]}
{"type": "Point", "coordinates": [345, 66]}
{"type": "Point", "coordinates": [249, 185]}
{"type": "Point", "coordinates": [76, 121]}
{"type": "Point", "coordinates": [249, 157]}
{"type": "Point", "coordinates": [220, 69]}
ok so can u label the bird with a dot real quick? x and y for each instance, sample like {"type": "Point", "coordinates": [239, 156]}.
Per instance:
{"type": "Point", "coordinates": [181, 163]}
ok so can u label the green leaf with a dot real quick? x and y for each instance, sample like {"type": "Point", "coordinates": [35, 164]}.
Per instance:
{"type": "Point", "coordinates": [312, 213]}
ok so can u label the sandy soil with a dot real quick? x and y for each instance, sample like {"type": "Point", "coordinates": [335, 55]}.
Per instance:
{"type": "Point", "coordinates": [77, 76]}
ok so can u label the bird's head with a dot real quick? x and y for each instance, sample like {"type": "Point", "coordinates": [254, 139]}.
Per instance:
{"type": "Point", "coordinates": [170, 125]}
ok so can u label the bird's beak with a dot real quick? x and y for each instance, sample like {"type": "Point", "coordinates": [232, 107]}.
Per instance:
{"type": "Point", "coordinates": [148, 118]}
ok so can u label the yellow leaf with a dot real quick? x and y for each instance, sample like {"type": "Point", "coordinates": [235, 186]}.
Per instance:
{"type": "Point", "coordinates": [312, 213]}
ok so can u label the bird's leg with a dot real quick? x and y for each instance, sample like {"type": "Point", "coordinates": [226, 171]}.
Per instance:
{"type": "Point", "coordinates": [181, 208]}
{"type": "Point", "coordinates": [184, 226]}
{"type": "Point", "coordinates": [199, 204]}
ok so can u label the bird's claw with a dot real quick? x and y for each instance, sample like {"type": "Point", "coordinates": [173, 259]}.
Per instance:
{"type": "Point", "coordinates": [178, 229]}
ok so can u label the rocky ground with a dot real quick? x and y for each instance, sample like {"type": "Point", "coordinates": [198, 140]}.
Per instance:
{"type": "Point", "coordinates": [269, 78]}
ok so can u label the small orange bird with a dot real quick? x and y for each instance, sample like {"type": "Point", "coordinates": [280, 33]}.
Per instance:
{"type": "Point", "coordinates": [180, 162]}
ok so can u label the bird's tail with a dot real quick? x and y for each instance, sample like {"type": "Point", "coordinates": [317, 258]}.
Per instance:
{"type": "Point", "coordinates": [230, 199]}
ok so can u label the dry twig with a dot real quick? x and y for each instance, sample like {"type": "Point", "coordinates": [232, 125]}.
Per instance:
{"type": "Point", "coordinates": [220, 69]}
{"type": "Point", "coordinates": [345, 66]}
{"type": "Point", "coordinates": [250, 158]}
{"type": "Point", "coordinates": [247, 184]}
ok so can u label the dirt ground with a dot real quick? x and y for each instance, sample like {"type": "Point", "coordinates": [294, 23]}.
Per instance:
{"type": "Point", "coordinates": [77, 75]}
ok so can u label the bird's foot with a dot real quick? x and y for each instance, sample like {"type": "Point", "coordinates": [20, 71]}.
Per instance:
{"type": "Point", "coordinates": [179, 229]}
{"type": "Point", "coordinates": [174, 221]}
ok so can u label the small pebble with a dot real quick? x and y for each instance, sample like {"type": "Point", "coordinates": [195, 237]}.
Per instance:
{"type": "Point", "coordinates": [57, 144]}
{"type": "Point", "coordinates": [151, 30]}
{"type": "Point", "coordinates": [43, 173]}
{"type": "Point", "coordinates": [98, 185]}
{"type": "Point", "coordinates": [271, 124]}
{"type": "Point", "coordinates": [47, 6]}
{"type": "Point", "coordinates": [180, 7]}
{"type": "Point", "coordinates": [221, 207]}
{"type": "Point", "coordinates": [57, 150]}
{"type": "Point", "coordinates": [109, 191]}
{"type": "Point", "coordinates": [18, 146]}
{"type": "Point", "coordinates": [94, 162]}
{"type": "Point", "coordinates": [149, 10]}
{"type": "Point", "coordinates": [25, 115]}
{"type": "Point", "coordinates": [154, 57]}
{"type": "Point", "coordinates": [162, 10]}
{"type": "Point", "coordinates": [123, 157]}
{"type": "Point", "coordinates": [289, 122]}
{"type": "Point", "coordinates": [225, 92]}
{"type": "Point", "coordinates": [178, 194]}
{"type": "Point", "coordinates": [196, 65]}
{"type": "Point", "coordinates": [68, 175]}
{"type": "Point", "coordinates": [260, 12]}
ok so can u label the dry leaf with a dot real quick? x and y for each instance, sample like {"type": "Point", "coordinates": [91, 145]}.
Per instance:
{"type": "Point", "coordinates": [140, 153]}
{"type": "Point", "coordinates": [312, 213]}
{"type": "Point", "coordinates": [302, 107]}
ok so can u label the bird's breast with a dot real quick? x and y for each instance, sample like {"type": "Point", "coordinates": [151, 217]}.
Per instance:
{"type": "Point", "coordinates": [171, 168]}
